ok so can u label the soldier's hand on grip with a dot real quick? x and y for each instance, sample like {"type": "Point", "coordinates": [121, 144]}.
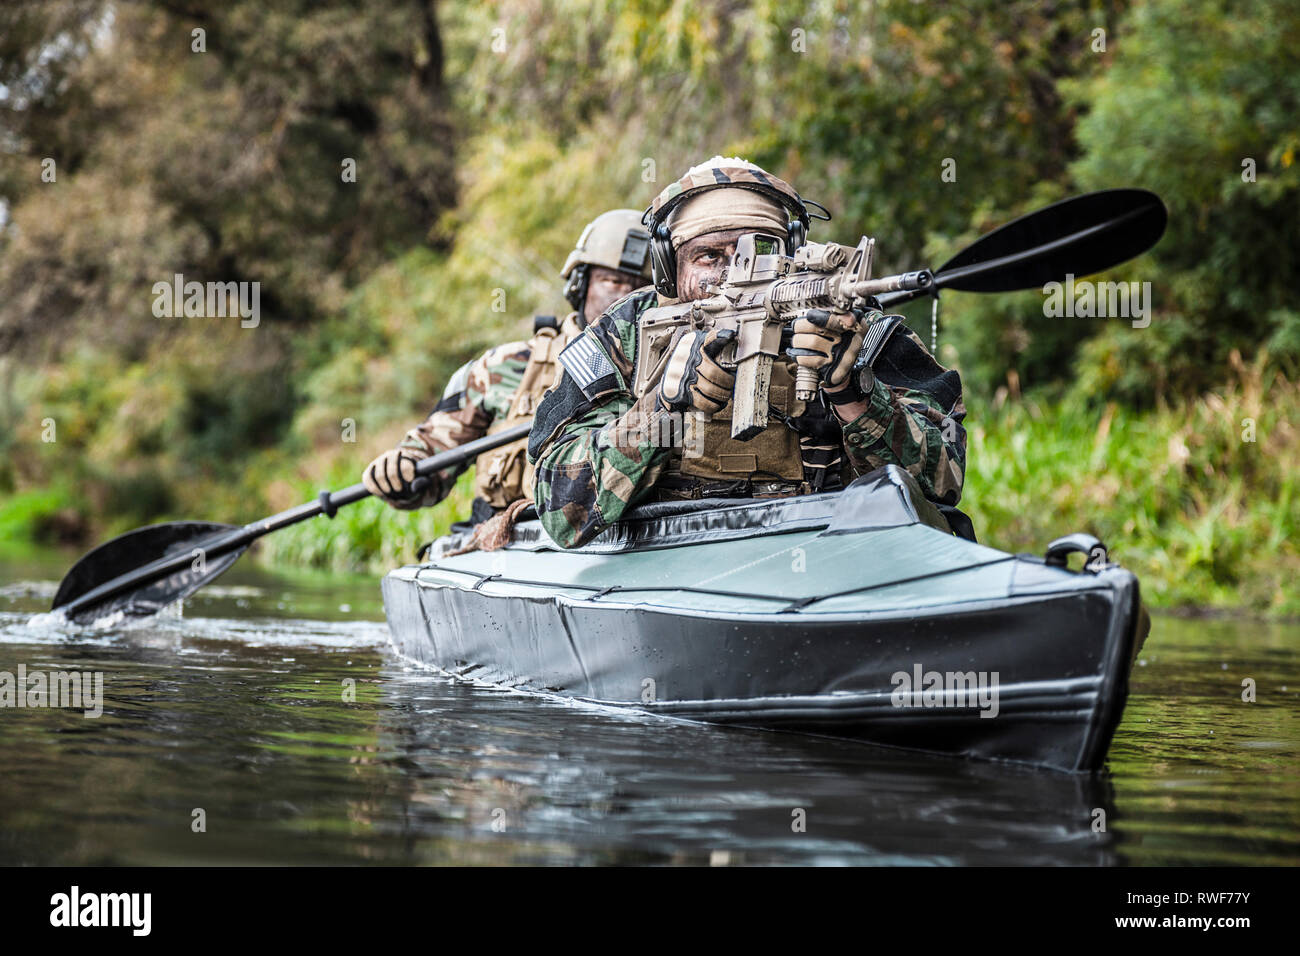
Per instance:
{"type": "Point", "coordinates": [693, 379]}
{"type": "Point", "coordinates": [392, 477]}
{"type": "Point", "coordinates": [828, 342]}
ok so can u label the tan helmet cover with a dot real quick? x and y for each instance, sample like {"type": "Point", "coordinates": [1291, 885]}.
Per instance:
{"type": "Point", "coordinates": [726, 208]}
{"type": "Point", "coordinates": [733, 175]}
{"type": "Point", "coordinates": [604, 243]}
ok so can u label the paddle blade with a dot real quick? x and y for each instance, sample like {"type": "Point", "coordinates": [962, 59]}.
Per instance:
{"type": "Point", "coordinates": [1081, 235]}
{"type": "Point", "coordinates": [124, 556]}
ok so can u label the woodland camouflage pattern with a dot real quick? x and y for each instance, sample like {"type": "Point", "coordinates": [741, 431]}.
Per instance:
{"type": "Point", "coordinates": [478, 395]}
{"type": "Point", "coordinates": [592, 464]}
{"type": "Point", "coordinates": [725, 173]}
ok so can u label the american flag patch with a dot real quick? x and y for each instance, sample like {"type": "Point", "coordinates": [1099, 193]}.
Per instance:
{"type": "Point", "coordinates": [585, 362]}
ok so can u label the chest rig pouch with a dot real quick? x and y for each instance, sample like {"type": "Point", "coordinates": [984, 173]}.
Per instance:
{"type": "Point", "coordinates": [707, 451]}
{"type": "Point", "coordinates": [504, 475]}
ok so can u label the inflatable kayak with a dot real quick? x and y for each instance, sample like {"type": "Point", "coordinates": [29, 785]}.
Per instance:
{"type": "Point", "coordinates": [854, 614]}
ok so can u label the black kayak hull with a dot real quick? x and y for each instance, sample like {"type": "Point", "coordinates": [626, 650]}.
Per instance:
{"type": "Point", "coordinates": [1051, 649]}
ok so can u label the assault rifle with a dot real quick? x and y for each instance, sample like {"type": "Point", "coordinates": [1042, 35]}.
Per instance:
{"type": "Point", "coordinates": [764, 290]}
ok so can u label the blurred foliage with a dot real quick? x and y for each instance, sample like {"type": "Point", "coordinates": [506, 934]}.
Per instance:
{"type": "Point", "coordinates": [1199, 499]}
{"type": "Point", "coordinates": [1199, 90]}
{"type": "Point", "coordinates": [857, 104]}
{"type": "Point", "coordinates": [486, 139]}
{"type": "Point", "coordinates": [221, 164]}
{"type": "Point", "coordinates": [224, 163]}
{"type": "Point", "coordinates": [369, 536]}
{"type": "Point", "coordinates": [1191, 91]}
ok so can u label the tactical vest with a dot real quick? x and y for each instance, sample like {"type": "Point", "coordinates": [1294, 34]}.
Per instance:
{"type": "Point", "coordinates": [800, 451]}
{"type": "Point", "coordinates": [708, 461]}
{"type": "Point", "coordinates": [504, 475]}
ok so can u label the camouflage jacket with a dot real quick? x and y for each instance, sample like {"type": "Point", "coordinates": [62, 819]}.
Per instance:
{"type": "Point", "coordinates": [595, 451]}
{"type": "Point", "coordinates": [478, 394]}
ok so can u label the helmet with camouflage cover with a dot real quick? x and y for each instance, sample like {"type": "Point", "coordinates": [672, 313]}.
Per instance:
{"type": "Point", "coordinates": [775, 206]}
{"type": "Point", "coordinates": [614, 240]}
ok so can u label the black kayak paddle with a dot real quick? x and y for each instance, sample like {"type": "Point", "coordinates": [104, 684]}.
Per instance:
{"type": "Point", "coordinates": [1078, 236]}
{"type": "Point", "coordinates": [141, 572]}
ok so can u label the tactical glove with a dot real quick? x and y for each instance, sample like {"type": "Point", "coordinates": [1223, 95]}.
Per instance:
{"type": "Point", "coordinates": [693, 379]}
{"type": "Point", "coordinates": [392, 477]}
{"type": "Point", "coordinates": [828, 342]}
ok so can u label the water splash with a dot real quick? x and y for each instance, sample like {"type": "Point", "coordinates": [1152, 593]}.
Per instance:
{"type": "Point", "coordinates": [50, 620]}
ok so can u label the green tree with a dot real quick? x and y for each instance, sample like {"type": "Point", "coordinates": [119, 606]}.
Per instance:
{"type": "Point", "coordinates": [1201, 105]}
{"type": "Point", "coordinates": [216, 141]}
{"type": "Point", "coordinates": [212, 140]}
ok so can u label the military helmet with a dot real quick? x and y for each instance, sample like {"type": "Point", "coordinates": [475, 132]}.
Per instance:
{"type": "Point", "coordinates": [729, 172]}
{"type": "Point", "coordinates": [718, 173]}
{"type": "Point", "coordinates": [615, 240]}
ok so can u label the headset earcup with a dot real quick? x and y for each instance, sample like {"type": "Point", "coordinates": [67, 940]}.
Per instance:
{"type": "Point", "coordinates": [796, 233]}
{"type": "Point", "coordinates": [663, 262]}
{"type": "Point", "coordinates": [575, 289]}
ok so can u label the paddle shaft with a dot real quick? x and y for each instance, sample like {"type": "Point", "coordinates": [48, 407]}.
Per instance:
{"type": "Point", "coordinates": [240, 538]}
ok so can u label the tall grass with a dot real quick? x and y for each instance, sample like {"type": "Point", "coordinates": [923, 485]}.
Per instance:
{"type": "Point", "coordinates": [1198, 499]}
{"type": "Point", "coordinates": [368, 536]}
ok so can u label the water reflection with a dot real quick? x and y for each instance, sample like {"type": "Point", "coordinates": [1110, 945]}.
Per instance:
{"type": "Point", "coordinates": [256, 733]}
{"type": "Point", "coordinates": [567, 783]}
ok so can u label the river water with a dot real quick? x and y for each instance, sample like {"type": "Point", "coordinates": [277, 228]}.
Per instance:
{"type": "Point", "coordinates": [226, 738]}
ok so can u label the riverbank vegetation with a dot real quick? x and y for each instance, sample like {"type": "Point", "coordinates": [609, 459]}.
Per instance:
{"type": "Point", "coordinates": [483, 138]}
{"type": "Point", "coordinates": [1198, 498]}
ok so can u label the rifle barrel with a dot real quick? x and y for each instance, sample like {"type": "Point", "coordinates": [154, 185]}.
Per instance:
{"type": "Point", "coordinates": [905, 282]}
